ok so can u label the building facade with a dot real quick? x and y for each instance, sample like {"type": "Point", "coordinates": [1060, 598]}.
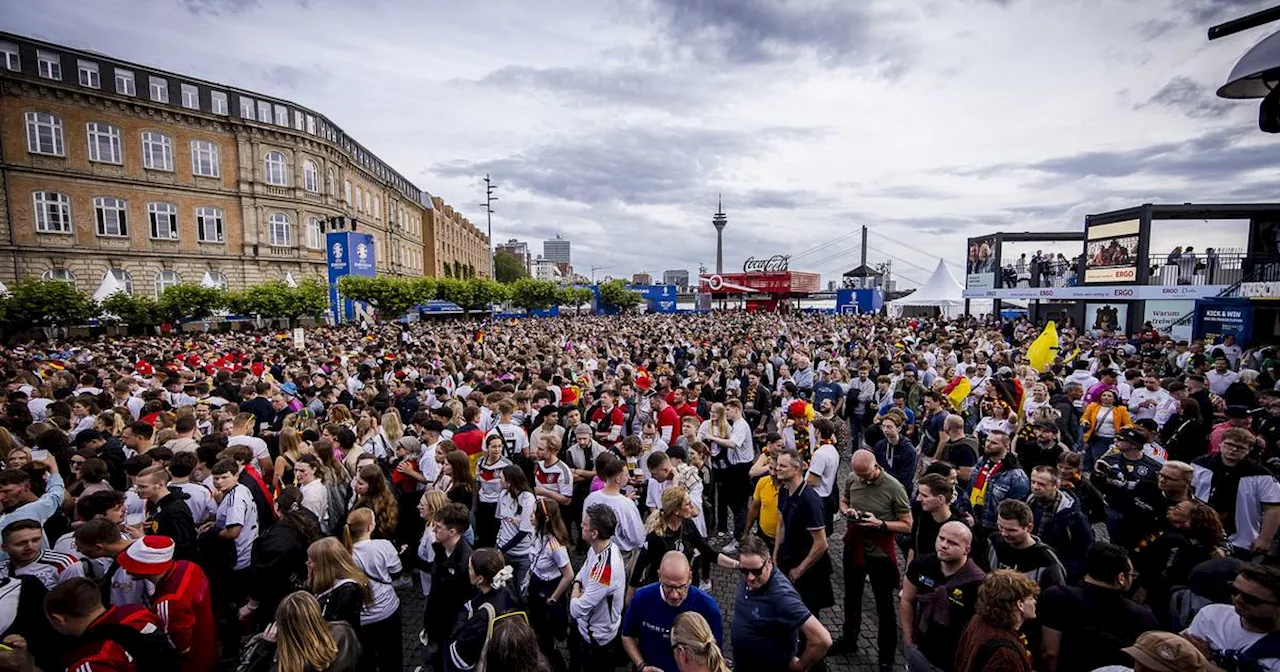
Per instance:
{"type": "Point", "coordinates": [677, 277]}
{"type": "Point", "coordinates": [520, 250]}
{"type": "Point", "coordinates": [642, 279]}
{"type": "Point", "coordinates": [544, 269]}
{"type": "Point", "coordinates": [556, 251]}
{"type": "Point", "coordinates": [455, 247]}
{"type": "Point", "coordinates": [160, 178]}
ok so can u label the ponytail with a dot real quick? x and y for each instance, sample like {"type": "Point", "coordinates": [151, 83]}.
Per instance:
{"type": "Point", "coordinates": [347, 538]}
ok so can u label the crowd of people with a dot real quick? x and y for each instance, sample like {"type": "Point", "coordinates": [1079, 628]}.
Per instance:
{"type": "Point", "coordinates": [565, 486]}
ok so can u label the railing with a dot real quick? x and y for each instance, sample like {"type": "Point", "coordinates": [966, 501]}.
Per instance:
{"type": "Point", "coordinates": [1225, 267]}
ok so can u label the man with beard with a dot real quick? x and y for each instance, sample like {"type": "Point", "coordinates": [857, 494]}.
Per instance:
{"type": "Point", "coordinates": [1242, 635]}
{"type": "Point", "coordinates": [1243, 492]}
{"type": "Point", "coordinates": [1043, 449]}
{"type": "Point", "coordinates": [998, 476]}
{"type": "Point", "coordinates": [1059, 521]}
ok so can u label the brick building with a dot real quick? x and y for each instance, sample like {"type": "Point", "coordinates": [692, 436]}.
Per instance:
{"type": "Point", "coordinates": [454, 243]}
{"type": "Point", "coordinates": [160, 178]}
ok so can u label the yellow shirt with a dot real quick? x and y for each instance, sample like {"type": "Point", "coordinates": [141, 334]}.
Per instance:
{"type": "Point", "coordinates": [766, 495]}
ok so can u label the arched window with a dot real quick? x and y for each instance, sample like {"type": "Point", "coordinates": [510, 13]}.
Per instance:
{"type": "Point", "coordinates": [44, 133]}
{"type": "Point", "coordinates": [315, 233]}
{"type": "Point", "coordinates": [280, 230]}
{"type": "Point", "coordinates": [124, 278]}
{"type": "Point", "coordinates": [204, 158]}
{"type": "Point", "coordinates": [310, 176]}
{"type": "Point", "coordinates": [219, 280]}
{"type": "Point", "coordinates": [165, 280]}
{"type": "Point", "coordinates": [59, 274]}
{"type": "Point", "coordinates": [277, 172]}
{"type": "Point", "coordinates": [157, 151]}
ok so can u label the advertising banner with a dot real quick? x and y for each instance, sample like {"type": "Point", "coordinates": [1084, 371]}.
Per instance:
{"type": "Point", "coordinates": [1217, 318]}
{"type": "Point", "coordinates": [1138, 293]}
{"type": "Point", "coordinates": [1111, 252]}
{"type": "Point", "coordinates": [658, 298]}
{"type": "Point", "coordinates": [348, 254]}
{"type": "Point", "coordinates": [1100, 317]}
{"type": "Point", "coordinates": [982, 263]}
{"type": "Point", "coordinates": [1163, 314]}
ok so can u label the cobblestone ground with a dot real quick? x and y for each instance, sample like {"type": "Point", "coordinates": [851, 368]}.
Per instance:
{"type": "Point", "coordinates": [724, 588]}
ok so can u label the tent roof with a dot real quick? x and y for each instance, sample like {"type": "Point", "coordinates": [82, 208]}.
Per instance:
{"type": "Point", "coordinates": [941, 289]}
{"type": "Point", "coordinates": [108, 287]}
{"type": "Point", "coordinates": [863, 272]}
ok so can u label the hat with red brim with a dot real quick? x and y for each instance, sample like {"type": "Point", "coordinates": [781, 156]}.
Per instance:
{"type": "Point", "coordinates": [152, 554]}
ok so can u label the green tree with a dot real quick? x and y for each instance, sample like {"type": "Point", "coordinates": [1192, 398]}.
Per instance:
{"type": "Point", "coordinates": [482, 293]}
{"type": "Point", "coordinates": [391, 297]}
{"type": "Point", "coordinates": [576, 297]}
{"type": "Point", "coordinates": [269, 299]}
{"type": "Point", "coordinates": [454, 291]}
{"type": "Point", "coordinates": [139, 311]}
{"type": "Point", "coordinates": [615, 294]}
{"type": "Point", "coordinates": [507, 267]}
{"type": "Point", "coordinates": [424, 289]}
{"type": "Point", "coordinates": [309, 299]}
{"type": "Point", "coordinates": [45, 303]}
{"type": "Point", "coordinates": [189, 301]}
{"type": "Point", "coordinates": [533, 294]}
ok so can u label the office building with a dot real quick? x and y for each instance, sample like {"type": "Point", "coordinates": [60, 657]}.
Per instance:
{"type": "Point", "coordinates": [642, 279]}
{"type": "Point", "coordinates": [556, 251]}
{"type": "Point", "coordinates": [678, 277]}
{"type": "Point", "coordinates": [520, 250]}
{"type": "Point", "coordinates": [455, 247]}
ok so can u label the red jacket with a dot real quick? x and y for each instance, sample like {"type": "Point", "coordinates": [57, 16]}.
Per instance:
{"type": "Point", "coordinates": [183, 602]}
{"type": "Point", "coordinates": [104, 655]}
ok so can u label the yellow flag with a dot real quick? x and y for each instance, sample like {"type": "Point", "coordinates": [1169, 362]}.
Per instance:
{"type": "Point", "coordinates": [958, 389]}
{"type": "Point", "coordinates": [1045, 348]}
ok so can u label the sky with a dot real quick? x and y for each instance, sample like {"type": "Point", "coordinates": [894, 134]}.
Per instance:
{"type": "Point", "coordinates": [617, 123]}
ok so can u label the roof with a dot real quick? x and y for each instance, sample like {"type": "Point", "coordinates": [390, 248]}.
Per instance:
{"type": "Point", "coordinates": [863, 271]}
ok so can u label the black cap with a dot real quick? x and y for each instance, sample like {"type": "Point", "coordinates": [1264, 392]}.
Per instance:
{"type": "Point", "coordinates": [1046, 424]}
{"type": "Point", "coordinates": [1131, 435]}
{"type": "Point", "coordinates": [1236, 411]}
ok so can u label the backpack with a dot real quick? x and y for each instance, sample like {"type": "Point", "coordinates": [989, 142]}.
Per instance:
{"type": "Point", "coordinates": [488, 608]}
{"type": "Point", "coordinates": [103, 582]}
{"type": "Point", "coordinates": [1250, 659]}
{"type": "Point", "coordinates": [151, 651]}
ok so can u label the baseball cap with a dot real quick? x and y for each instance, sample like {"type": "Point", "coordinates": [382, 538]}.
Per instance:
{"type": "Point", "coordinates": [152, 554]}
{"type": "Point", "coordinates": [1237, 411]}
{"type": "Point", "coordinates": [1166, 652]}
{"type": "Point", "coordinates": [1131, 435]}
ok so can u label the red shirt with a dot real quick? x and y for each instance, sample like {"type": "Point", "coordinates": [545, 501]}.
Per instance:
{"type": "Point", "coordinates": [185, 607]}
{"type": "Point", "coordinates": [688, 409]}
{"type": "Point", "coordinates": [668, 423]}
{"type": "Point", "coordinates": [614, 425]}
{"type": "Point", "coordinates": [104, 655]}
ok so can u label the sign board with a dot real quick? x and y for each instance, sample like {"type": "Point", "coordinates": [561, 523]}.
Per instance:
{"type": "Point", "coordinates": [1111, 252]}
{"type": "Point", "coordinates": [1260, 290]}
{"type": "Point", "coordinates": [1163, 314]}
{"type": "Point", "coordinates": [851, 301]}
{"type": "Point", "coordinates": [299, 338]}
{"type": "Point", "coordinates": [982, 264]}
{"type": "Point", "coordinates": [1132, 293]}
{"type": "Point", "coordinates": [1217, 318]}
{"type": "Point", "coordinates": [778, 263]}
{"type": "Point", "coordinates": [657, 298]}
{"type": "Point", "coordinates": [1100, 317]}
{"type": "Point", "coordinates": [349, 253]}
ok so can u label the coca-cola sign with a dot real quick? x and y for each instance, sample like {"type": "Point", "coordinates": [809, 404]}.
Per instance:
{"type": "Point", "coordinates": [775, 264]}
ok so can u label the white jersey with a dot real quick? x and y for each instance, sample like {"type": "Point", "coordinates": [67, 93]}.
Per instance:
{"type": "Point", "coordinates": [630, 532]}
{"type": "Point", "coordinates": [199, 500]}
{"type": "Point", "coordinates": [514, 440]}
{"type": "Point", "coordinates": [47, 567]}
{"type": "Point", "coordinates": [124, 588]}
{"type": "Point", "coordinates": [258, 446]}
{"type": "Point", "coordinates": [598, 610]}
{"type": "Point", "coordinates": [379, 560]}
{"type": "Point", "coordinates": [238, 508]}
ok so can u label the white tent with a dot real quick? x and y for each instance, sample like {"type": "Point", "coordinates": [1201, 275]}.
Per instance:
{"type": "Point", "coordinates": [3, 289]}
{"type": "Point", "coordinates": [288, 279]}
{"type": "Point", "coordinates": [108, 287]}
{"type": "Point", "coordinates": [941, 290]}
{"type": "Point", "coordinates": [208, 281]}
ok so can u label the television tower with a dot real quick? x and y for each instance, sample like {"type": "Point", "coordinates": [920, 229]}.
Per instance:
{"type": "Point", "coordinates": [720, 220]}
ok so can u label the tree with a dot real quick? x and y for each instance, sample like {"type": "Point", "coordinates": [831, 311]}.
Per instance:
{"type": "Point", "coordinates": [615, 294]}
{"type": "Point", "coordinates": [454, 291]}
{"type": "Point", "coordinates": [269, 299]}
{"type": "Point", "coordinates": [392, 297]}
{"type": "Point", "coordinates": [507, 267]}
{"type": "Point", "coordinates": [45, 303]}
{"type": "Point", "coordinates": [189, 301]}
{"type": "Point", "coordinates": [424, 289]}
{"type": "Point", "coordinates": [309, 299]}
{"type": "Point", "coordinates": [576, 297]}
{"type": "Point", "coordinates": [533, 294]}
{"type": "Point", "coordinates": [482, 293]}
{"type": "Point", "coordinates": [138, 311]}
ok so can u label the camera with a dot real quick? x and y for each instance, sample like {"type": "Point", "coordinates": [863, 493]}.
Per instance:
{"type": "Point", "coordinates": [1106, 470]}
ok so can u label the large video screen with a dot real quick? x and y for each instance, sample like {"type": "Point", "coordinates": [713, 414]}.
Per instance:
{"type": "Point", "coordinates": [981, 265]}
{"type": "Point", "coordinates": [1045, 263]}
{"type": "Point", "coordinates": [1111, 252]}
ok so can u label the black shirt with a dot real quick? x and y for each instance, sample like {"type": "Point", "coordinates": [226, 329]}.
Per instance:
{"type": "Point", "coordinates": [924, 530]}
{"type": "Point", "coordinates": [799, 513]}
{"type": "Point", "coordinates": [1037, 561]}
{"type": "Point", "coordinates": [1095, 623]}
{"type": "Point", "coordinates": [450, 589]}
{"type": "Point", "coordinates": [936, 643]}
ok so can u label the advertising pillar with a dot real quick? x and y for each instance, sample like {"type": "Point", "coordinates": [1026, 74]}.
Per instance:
{"type": "Point", "coordinates": [348, 254]}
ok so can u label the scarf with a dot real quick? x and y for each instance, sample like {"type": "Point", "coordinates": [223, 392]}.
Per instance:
{"type": "Point", "coordinates": [982, 480]}
{"type": "Point", "coordinates": [934, 606]}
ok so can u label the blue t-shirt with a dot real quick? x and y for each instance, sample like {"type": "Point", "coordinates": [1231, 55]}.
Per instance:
{"type": "Point", "coordinates": [826, 390]}
{"type": "Point", "coordinates": [649, 618]}
{"type": "Point", "coordinates": [766, 624]}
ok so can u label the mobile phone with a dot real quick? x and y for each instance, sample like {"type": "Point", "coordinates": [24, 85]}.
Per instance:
{"type": "Point", "coordinates": [39, 455]}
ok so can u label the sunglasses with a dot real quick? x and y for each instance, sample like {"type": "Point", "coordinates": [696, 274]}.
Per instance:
{"type": "Point", "coordinates": [1248, 598]}
{"type": "Point", "coordinates": [757, 571]}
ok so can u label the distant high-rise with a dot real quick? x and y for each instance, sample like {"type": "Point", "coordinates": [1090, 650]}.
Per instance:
{"type": "Point", "coordinates": [519, 249]}
{"type": "Point", "coordinates": [719, 220]}
{"type": "Point", "coordinates": [556, 250]}
{"type": "Point", "coordinates": [676, 276]}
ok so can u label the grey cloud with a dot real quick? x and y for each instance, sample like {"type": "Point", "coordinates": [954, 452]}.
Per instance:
{"type": "Point", "coordinates": [1189, 97]}
{"type": "Point", "coordinates": [219, 6]}
{"type": "Point", "coordinates": [779, 199]}
{"type": "Point", "coordinates": [1204, 11]}
{"type": "Point", "coordinates": [624, 86]}
{"type": "Point", "coordinates": [638, 166]}
{"type": "Point", "coordinates": [291, 77]}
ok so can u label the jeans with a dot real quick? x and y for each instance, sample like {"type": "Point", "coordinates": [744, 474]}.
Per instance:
{"type": "Point", "coordinates": [1095, 449]}
{"type": "Point", "coordinates": [520, 565]}
{"type": "Point", "coordinates": [855, 432]}
{"type": "Point", "coordinates": [883, 573]}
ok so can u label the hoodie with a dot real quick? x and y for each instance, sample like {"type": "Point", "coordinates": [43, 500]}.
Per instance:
{"type": "Point", "coordinates": [1063, 526]}
{"type": "Point", "coordinates": [171, 517]}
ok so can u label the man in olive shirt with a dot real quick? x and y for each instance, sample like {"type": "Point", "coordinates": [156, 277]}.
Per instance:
{"type": "Point", "coordinates": [875, 507]}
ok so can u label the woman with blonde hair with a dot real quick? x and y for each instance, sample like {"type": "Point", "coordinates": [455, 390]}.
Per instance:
{"type": "Point", "coordinates": [432, 501]}
{"type": "Point", "coordinates": [392, 427]}
{"type": "Point", "coordinates": [290, 452]}
{"type": "Point", "coordinates": [694, 646]}
{"type": "Point", "coordinates": [380, 619]}
{"type": "Point", "coordinates": [340, 415]}
{"type": "Point", "coordinates": [300, 640]}
{"type": "Point", "coordinates": [671, 528]}
{"type": "Point", "coordinates": [337, 582]}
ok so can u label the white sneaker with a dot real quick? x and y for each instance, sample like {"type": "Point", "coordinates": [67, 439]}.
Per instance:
{"type": "Point", "coordinates": [705, 586]}
{"type": "Point", "coordinates": [731, 547]}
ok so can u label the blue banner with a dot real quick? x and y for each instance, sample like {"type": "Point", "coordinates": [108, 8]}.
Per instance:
{"type": "Point", "coordinates": [1216, 318]}
{"type": "Point", "coordinates": [658, 298]}
{"type": "Point", "coordinates": [850, 301]}
{"type": "Point", "coordinates": [348, 254]}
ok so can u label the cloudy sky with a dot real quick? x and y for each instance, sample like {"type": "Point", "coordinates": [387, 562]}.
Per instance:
{"type": "Point", "coordinates": [615, 123]}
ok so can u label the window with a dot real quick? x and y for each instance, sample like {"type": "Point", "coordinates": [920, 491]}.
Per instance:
{"type": "Point", "coordinates": [219, 280]}
{"type": "Point", "coordinates": [315, 233]}
{"type": "Point", "coordinates": [190, 97]}
{"type": "Point", "coordinates": [164, 220]}
{"type": "Point", "coordinates": [157, 151]}
{"type": "Point", "coordinates": [377, 207]}
{"type": "Point", "coordinates": [359, 199]}
{"type": "Point", "coordinates": [310, 176]}
{"type": "Point", "coordinates": [53, 212]}
{"type": "Point", "coordinates": [264, 111]}
{"type": "Point", "coordinates": [44, 133]}
{"type": "Point", "coordinates": [89, 74]}
{"type": "Point", "coordinates": [104, 142]}
{"type": "Point", "coordinates": [276, 169]}
{"type": "Point", "coordinates": [246, 108]}
{"type": "Point", "coordinates": [204, 158]}
{"type": "Point", "coordinates": [297, 120]}
{"type": "Point", "coordinates": [59, 274]}
{"type": "Point", "coordinates": [311, 124]}
{"type": "Point", "coordinates": [165, 280]}
{"type": "Point", "coordinates": [209, 224]}
{"type": "Point", "coordinates": [50, 64]}
{"type": "Point", "coordinates": [124, 83]}
{"type": "Point", "coordinates": [282, 116]}
{"type": "Point", "coordinates": [159, 90]}
{"type": "Point", "coordinates": [219, 102]}
{"type": "Point", "coordinates": [333, 182]}
{"type": "Point", "coordinates": [110, 214]}
{"type": "Point", "coordinates": [125, 278]}
{"type": "Point", "coordinates": [9, 55]}
{"type": "Point", "coordinates": [347, 186]}
{"type": "Point", "coordinates": [280, 230]}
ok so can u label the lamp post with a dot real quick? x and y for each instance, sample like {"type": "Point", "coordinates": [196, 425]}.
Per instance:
{"type": "Point", "coordinates": [489, 198]}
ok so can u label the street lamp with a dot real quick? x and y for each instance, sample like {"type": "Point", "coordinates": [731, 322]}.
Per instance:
{"type": "Point", "coordinates": [489, 198]}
